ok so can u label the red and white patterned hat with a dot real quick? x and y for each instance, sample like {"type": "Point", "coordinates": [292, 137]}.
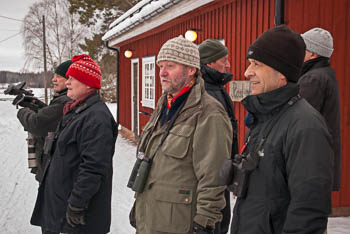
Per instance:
{"type": "Point", "coordinates": [85, 70]}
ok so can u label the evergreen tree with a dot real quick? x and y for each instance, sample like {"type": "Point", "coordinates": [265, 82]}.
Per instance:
{"type": "Point", "coordinates": [98, 15]}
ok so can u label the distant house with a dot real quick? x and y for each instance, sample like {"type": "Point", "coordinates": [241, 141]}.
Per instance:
{"type": "Point", "coordinates": [145, 27]}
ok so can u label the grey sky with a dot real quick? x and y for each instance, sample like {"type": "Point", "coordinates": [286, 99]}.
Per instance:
{"type": "Point", "coordinates": [11, 50]}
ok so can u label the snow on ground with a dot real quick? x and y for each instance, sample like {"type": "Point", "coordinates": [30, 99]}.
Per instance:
{"type": "Point", "coordinates": [18, 187]}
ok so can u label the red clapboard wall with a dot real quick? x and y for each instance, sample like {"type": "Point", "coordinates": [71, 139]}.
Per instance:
{"type": "Point", "coordinates": [334, 17]}
{"type": "Point", "coordinates": [239, 23]}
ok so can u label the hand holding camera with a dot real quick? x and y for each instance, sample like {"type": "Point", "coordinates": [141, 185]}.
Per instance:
{"type": "Point", "coordinates": [31, 102]}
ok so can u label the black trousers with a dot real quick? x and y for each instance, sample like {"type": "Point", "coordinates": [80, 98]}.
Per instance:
{"type": "Point", "coordinates": [48, 232]}
{"type": "Point", "coordinates": [223, 226]}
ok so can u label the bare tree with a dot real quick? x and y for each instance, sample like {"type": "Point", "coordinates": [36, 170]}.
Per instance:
{"type": "Point", "coordinates": [64, 33]}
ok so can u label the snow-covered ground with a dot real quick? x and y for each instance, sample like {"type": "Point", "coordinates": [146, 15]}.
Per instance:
{"type": "Point", "coordinates": [18, 188]}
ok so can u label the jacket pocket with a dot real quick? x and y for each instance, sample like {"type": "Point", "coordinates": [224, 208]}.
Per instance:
{"type": "Point", "coordinates": [177, 142]}
{"type": "Point", "coordinates": [171, 210]}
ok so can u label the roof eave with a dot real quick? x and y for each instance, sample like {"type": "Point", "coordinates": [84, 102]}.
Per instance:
{"type": "Point", "coordinates": [157, 20]}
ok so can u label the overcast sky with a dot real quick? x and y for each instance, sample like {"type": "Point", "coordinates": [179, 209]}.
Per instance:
{"type": "Point", "coordinates": [11, 50]}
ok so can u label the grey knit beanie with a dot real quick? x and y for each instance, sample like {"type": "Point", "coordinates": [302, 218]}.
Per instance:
{"type": "Point", "coordinates": [180, 50]}
{"type": "Point", "coordinates": [319, 41]}
{"type": "Point", "coordinates": [211, 50]}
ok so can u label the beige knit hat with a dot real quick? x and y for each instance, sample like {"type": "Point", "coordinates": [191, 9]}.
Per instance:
{"type": "Point", "coordinates": [180, 50]}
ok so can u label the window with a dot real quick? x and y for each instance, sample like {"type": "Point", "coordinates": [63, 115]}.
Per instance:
{"type": "Point", "coordinates": [148, 82]}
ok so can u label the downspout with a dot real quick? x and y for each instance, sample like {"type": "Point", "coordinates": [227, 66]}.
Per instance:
{"type": "Point", "coordinates": [117, 81]}
{"type": "Point", "coordinates": [279, 12]}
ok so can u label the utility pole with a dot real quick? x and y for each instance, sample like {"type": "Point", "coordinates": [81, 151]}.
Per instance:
{"type": "Point", "coordinates": [45, 69]}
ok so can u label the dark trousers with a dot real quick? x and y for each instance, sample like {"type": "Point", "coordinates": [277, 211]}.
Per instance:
{"type": "Point", "coordinates": [223, 226]}
{"type": "Point", "coordinates": [48, 232]}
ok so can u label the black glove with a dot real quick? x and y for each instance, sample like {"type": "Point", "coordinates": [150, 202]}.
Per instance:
{"type": "Point", "coordinates": [132, 218]}
{"type": "Point", "coordinates": [28, 101]}
{"type": "Point", "coordinates": [35, 100]}
{"type": "Point", "coordinates": [198, 229]}
{"type": "Point", "coordinates": [75, 216]}
{"type": "Point", "coordinates": [19, 98]}
{"type": "Point", "coordinates": [32, 100]}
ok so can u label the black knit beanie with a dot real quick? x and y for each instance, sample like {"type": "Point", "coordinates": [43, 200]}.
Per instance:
{"type": "Point", "coordinates": [211, 50]}
{"type": "Point", "coordinates": [282, 49]}
{"type": "Point", "coordinates": [63, 68]}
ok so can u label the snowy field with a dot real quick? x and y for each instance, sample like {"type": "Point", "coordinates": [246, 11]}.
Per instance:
{"type": "Point", "coordinates": [18, 187]}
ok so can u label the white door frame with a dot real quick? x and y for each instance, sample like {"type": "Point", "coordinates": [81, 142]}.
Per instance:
{"type": "Point", "coordinates": [135, 61]}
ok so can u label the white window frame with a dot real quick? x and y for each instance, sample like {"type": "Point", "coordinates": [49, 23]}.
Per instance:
{"type": "Point", "coordinates": [148, 82]}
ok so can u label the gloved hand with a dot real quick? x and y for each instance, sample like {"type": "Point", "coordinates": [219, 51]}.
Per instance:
{"type": "Point", "coordinates": [32, 100]}
{"type": "Point", "coordinates": [75, 216]}
{"type": "Point", "coordinates": [28, 101]}
{"type": "Point", "coordinates": [35, 100]}
{"type": "Point", "coordinates": [132, 218]}
{"type": "Point", "coordinates": [199, 229]}
{"type": "Point", "coordinates": [19, 98]}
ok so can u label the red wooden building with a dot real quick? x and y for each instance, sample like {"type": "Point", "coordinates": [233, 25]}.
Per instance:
{"type": "Point", "coordinates": [144, 28]}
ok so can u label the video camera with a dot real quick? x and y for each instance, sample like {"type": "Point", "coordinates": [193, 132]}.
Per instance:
{"type": "Point", "coordinates": [24, 98]}
{"type": "Point", "coordinates": [18, 89]}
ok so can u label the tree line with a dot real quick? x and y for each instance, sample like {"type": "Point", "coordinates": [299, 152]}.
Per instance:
{"type": "Point", "coordinates": [33, 80]}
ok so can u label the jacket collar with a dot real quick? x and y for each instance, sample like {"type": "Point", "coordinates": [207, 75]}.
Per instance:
{"type": "Point", "coordinates": [83, 103]}
{"type": "Point", "coordinates": [315, 63]}
{"type": "Point", "coordinates": [215, 77]}
{"type": "Point", "coordinates": [195, 94]}
{"type": "Point", "coordinates": [267, 104]}
{"type": "Point", "coordinates": [61, 93]}
{"type": "Point", "coordinates": [193, 98]}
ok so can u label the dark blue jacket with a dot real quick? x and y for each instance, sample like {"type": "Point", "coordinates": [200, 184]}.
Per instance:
{"type": "Point", "coordinates": [80, 171]}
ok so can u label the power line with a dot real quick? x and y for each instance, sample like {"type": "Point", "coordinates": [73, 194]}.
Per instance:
{"type": "Point", "coordinates": [10, 37]}
{"type": "Point", "coordinates": [1, 16]}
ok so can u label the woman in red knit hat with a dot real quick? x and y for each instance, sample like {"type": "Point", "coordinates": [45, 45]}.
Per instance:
{"type": "Point", "coordinates": [75, 195]}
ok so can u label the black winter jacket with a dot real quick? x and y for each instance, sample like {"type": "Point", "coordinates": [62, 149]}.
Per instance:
{"type": "Point", "coordinates": [80, 171]}
{"type": "Point", "coordinates": [40, 123]}
{"type": "Point", "coordinates": [214, 85]}
{"type": "Point", "coordinates": [319, 86]}
{"type": "Point", "coordinates": [290, 190]}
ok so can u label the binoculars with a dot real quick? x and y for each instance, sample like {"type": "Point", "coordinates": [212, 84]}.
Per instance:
{"type": "Point", "coordinates": [139, 173]}
{"type": "Point", "coordinates": [235, 172]}
{"type": "Point", "coordinates": [243, 165]}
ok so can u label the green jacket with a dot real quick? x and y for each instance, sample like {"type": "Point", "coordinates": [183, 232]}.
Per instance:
{"type": "Point", "coordinates": [182, 186]}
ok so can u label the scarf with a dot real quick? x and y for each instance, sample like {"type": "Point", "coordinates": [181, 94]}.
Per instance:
{"type": "Point", "coordinates": [74, 103]}
{"type": "Point", "coordinates": [171, 99]}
